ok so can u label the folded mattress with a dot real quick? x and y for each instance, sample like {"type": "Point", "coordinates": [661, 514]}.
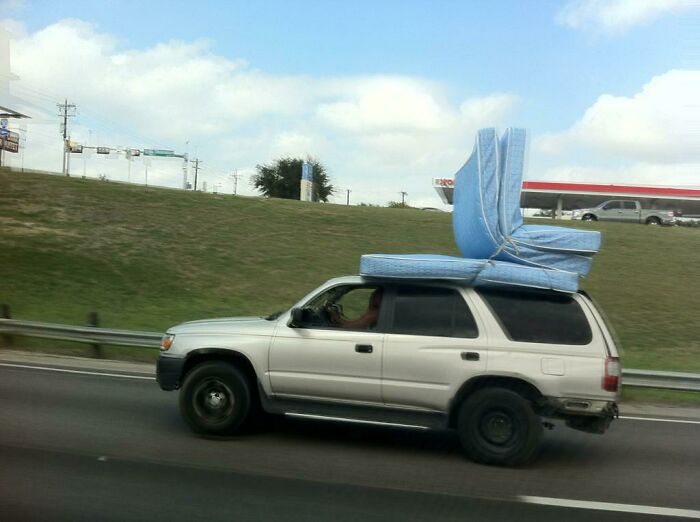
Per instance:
{"type": "Point", "coordinates": [496, 246]}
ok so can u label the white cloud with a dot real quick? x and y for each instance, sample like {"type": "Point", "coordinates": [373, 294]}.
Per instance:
{"type": "Point", "coordinates": [376, 134]}
{"type": "Point", "coordinates": [386, 103]}
{"type": "Point", "coordinates": [488, 108]}
{"type": "Point", "coordinates": [617, 15]}
{"type": "Point", "coordinates": [659, 124]}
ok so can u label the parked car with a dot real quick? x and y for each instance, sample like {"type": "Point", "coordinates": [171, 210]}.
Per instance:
{"type": "Point", "coordinates": [625, 211]}
{"type": "Point", "coordinates": [492, 363]}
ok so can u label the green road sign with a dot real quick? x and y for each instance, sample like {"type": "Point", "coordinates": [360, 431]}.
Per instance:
{"type": "Point", "coordinates": [158, 152]}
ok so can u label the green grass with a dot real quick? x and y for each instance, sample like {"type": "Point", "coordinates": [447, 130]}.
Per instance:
{"type": "Point", "coordinates": [149, 258]}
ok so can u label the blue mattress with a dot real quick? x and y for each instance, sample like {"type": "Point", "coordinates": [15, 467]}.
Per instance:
{"type": "Point", "coordinates": [488, 227]}
{"type": "Point", "coordinates": [487, 219]}
{"type": "Point", "coordinates": [473, 272]}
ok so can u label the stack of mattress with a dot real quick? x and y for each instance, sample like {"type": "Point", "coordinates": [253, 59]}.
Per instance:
{"type": "Point", "coordinates": [489, 230]}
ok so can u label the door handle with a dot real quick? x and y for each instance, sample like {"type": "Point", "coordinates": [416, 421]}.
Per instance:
{"type": "Point", "coordinates": [364, 348]}
{"type": "Point", "coordinates": [470, 356]}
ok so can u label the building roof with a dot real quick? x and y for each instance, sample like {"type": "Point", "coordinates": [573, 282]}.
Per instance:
{"type": "Point", "coordinates": [545, 194]}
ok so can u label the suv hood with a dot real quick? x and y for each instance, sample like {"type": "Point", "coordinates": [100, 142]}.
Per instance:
{"type": "Point", "coordinates": [251, 325]}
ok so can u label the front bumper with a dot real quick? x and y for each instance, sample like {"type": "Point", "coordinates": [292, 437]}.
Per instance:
{"type": "Point", "coordinates": [169, 371]}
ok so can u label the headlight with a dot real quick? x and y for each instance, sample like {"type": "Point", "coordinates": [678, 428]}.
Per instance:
{"type": "Point", "coordinates": [166, 342]}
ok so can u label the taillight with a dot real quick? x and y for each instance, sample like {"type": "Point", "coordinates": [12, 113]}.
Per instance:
{"type": "Point", "coordinates": [613, 372]}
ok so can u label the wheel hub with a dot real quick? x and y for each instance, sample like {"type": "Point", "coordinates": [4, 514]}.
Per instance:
{"type": "Point", "coordinates": [216, 400]}
{"type": "Point", "coordinates": [497, 428]}
{"type": "Point", "coordinates": [213, 400]}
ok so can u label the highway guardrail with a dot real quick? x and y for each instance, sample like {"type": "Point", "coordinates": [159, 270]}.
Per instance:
{"type": "Point", "coordinates": [107, 336]}
{"type": "Point", "coordinates": [80, 334]}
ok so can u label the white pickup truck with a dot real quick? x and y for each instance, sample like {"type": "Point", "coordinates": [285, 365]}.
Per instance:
{"type": "Point", "coordinates": [625, 211]}
{"type": "Point", "coordinates": [492, 363]}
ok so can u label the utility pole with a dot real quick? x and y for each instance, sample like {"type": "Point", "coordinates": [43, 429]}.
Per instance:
{"type": "Point", "coordinates": [403, 197]}
{"type": "Point", "coordinates": [65, 108]}
{"type": "Point", "coordinates": [347, 196]}
{"type": "Point", "coordinates": [196, 162]}
{"type": "Point", "coordinates": [234, 177]}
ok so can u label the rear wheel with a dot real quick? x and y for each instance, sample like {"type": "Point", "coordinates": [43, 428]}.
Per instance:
{"type": "Point", "coordinates": [215, 398]}
{"type": "Point", "coordinates": [498, 426]}
{"type": "Point", "coordinates": [653, 221]}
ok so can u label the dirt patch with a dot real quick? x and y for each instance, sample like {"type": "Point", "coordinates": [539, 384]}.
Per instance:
{"type": "Point", "coordinates": [15, 227]}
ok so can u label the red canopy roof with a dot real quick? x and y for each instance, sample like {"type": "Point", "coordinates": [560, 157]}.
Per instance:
{"type": "Point", "coordinates": [592, 188]}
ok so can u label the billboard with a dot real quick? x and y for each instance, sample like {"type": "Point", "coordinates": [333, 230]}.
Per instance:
{"type": "Point", "coordinates": [10, 143]}
{"type": "Point", "coordinates": [306, 188]}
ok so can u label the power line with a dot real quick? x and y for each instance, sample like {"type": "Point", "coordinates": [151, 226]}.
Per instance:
{"type": "Point", "coordinates": [403, 197]}
{"type": "Point", "coordinates": [347, 196]}
{"type": "Point", "coordinates": [65, 108]}
{"type": "Point", "coordinates": [196, 162]}
{"type": "Point", "coordinates": [235, 177]}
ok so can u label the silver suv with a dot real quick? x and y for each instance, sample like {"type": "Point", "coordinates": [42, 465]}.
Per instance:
{"type": "Point", "coordinates": [490, 362]}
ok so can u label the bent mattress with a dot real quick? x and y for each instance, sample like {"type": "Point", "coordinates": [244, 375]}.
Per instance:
{"type": "Point", "coordinates": [488, 228]}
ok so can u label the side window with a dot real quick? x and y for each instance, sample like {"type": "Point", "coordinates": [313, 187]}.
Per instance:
{"type": "Point", "coordinates": [612, 205]}
{"type": "Point", "coordinates": [535, 316]}
{"type": "Point", "coordinates": [442, 312]}
{"type": "Point", "coordinates": [629, 205]}
{"type": "Point", "coordinates": [348, 306]}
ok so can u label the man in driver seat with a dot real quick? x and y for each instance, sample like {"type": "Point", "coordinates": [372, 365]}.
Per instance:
{"type": "Point", "coordinates": [367, 320]}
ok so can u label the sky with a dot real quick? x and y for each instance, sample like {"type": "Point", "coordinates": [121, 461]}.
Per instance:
{"type": "Point", "coordinates": [386, 94]}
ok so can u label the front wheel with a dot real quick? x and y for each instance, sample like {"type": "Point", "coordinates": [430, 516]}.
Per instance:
{"type": "Point", "coordinates": [588, 217]}
{"type": "Point", "coordinates": [498, 426]}
{"type": "Point", "coordinates": [215, 398]}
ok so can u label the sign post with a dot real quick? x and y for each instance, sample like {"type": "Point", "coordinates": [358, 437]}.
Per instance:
{"type": "Point", "coordinates": [306, 188]}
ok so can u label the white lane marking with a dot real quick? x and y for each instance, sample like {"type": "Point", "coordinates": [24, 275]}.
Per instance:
{"type": "Point", "coordinates": [82, 372]}
{"type": "Point", "coordinates": [610, 506]}
{"type": "Point", "coordinates": [656, 419]}
{"type": "Point", "coordinates": [358, 421]}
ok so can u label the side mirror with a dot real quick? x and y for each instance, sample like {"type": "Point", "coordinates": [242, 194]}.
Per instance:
{"type": "Point", "coordinates": [297, 317]}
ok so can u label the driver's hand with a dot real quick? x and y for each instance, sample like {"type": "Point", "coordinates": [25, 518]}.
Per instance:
{"type": "Point", "coordinates": [334, 315]}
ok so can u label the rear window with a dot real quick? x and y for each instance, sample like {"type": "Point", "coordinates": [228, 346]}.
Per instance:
{"type": "Point", "coordinates": [535, 316]}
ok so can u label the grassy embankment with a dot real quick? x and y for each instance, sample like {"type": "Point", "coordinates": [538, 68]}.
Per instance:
{"type": "Point", "coordinates": [149, 258]}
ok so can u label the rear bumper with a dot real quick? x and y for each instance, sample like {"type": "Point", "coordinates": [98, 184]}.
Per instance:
{"type": "Point", "coordinates": [169, 371]}
{"type": "Point", "coordinates": [591, 416]}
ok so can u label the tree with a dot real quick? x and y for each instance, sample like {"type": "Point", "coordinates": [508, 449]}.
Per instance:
{"type": "Point", "coordinates": [282, 177]}
{"type": "Point", "coordinates": [398, 204]}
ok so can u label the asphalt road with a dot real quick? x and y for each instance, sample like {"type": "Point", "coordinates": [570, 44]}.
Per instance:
{"type": "Point", "coordinates": [75, 446]}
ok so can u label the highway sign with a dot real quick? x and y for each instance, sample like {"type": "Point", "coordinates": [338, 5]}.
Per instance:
{"type": "Point", "coordinates": [103, 150]}
{"type": "Point", "coordinates": [158, 152]}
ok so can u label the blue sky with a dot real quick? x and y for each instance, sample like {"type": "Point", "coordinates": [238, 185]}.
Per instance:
{"type": "Point", "coordinates": [554, 68]}
{"type": "Point", "coordinates": [473, 47]}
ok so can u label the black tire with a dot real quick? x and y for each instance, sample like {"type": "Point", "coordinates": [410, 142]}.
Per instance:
{"type": "Point", "coordinates": [653, 221]}
{"type": "Point", "coordinates": [215, 398]}
{"type": "Point", "coordinates": [589, 217]}
{"type": "Point", "coordinates": [498, 426]}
